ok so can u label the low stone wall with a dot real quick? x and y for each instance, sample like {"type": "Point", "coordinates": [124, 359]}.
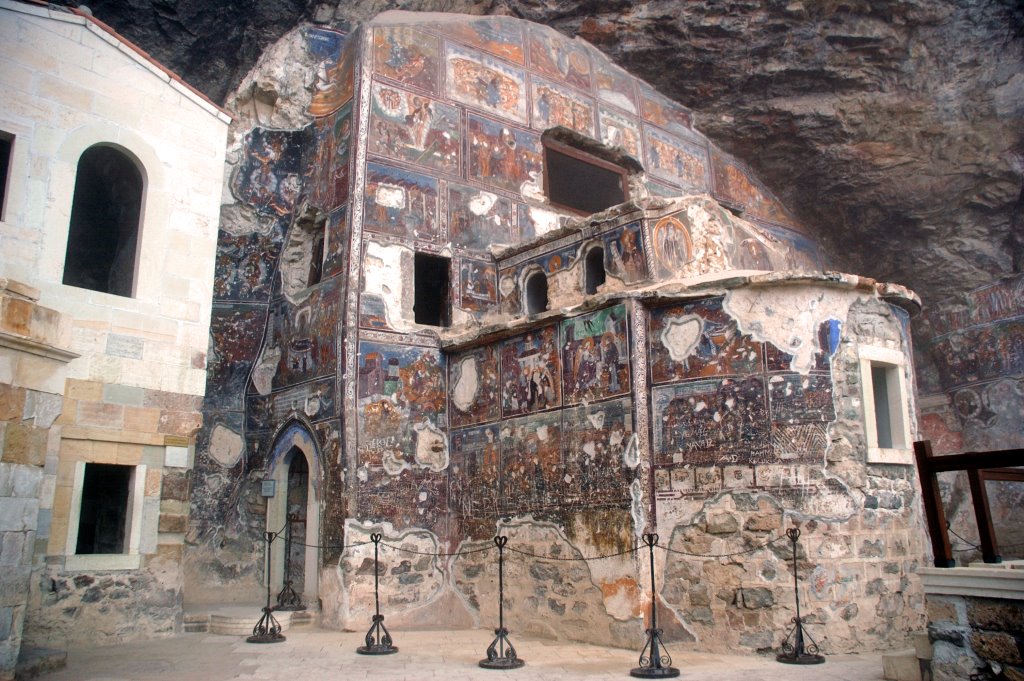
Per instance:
{"type": "Point", "coordinates": [976, 622]}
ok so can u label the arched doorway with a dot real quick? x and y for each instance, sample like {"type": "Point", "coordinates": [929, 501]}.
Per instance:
{"type": "Point", "coordinates": [295, 469]}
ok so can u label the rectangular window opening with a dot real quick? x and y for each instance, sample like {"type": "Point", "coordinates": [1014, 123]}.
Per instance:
{"type": "Point", "coordinates": [103, 524]}
{"type": "Point", "coordinates": [6, 148]}
{"type": "Point", "coordinates": [431, 305]}
{"type": "Point", "coordinates": [883, 410]}
{"type": "Point", "coordinates": [580, 182]}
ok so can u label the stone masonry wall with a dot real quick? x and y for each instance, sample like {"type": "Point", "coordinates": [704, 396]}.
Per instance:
{"type": "Point", "coordinates": [977, 638]}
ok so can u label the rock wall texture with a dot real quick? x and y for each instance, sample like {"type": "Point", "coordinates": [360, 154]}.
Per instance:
{"type": "Point", "coordinates": [893, 128]}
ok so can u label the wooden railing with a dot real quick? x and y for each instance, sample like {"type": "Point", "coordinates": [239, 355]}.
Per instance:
{"type": "Point", "coordinates": [980, 467]}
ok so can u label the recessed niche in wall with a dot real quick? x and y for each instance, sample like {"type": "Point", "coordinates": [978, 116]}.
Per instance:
{"type": "Point", "coordinates": [432, 302]}
{"type": "Point", "coordinates": [581, 182]}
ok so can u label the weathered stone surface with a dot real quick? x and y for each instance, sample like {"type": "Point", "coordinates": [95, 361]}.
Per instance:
{"type": "Point", "coordinates": [997, 646]}
{"type": "Point", "coordinates": [997, 615]}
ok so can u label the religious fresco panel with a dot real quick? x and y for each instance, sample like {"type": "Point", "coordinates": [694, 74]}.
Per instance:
{"type": "Point", "coordinates": [658, 109]}
{"type": "Point", "coordinates": [336, 245]}
{"type": "Point", "coordinates": [412, 498]}
{"type": "Point", "coordinates": [597, 438]}
{"type": "Point", "coordinates": [400, 202]}
{"type": "Point", "coordinates": [677, 160]}
{"type": "Point", "coordinates": [797, 251]}
{"type": "Point", "coordinates": [409, 56]}
{"type": "Point", "coordinates": [530, 376]}
{"type": "Point", "coordinates": [734, 183]}
{"type": "Point", "coordinates": [614, 86]}
{"type": "Point", "coordinates": [503, 156]}
{"type": "Point", "coordinates": [700, 339]}
{"type": "Point", "coordinates": [595, 355]}
{"type": "Point", "coordinates": [246, 264]}
{"type": "Point", "coordinates": [373, 312]}
{"type": "Point", "coordinates": [269, 176]}
{"type": "Point", "coordinates": [335, 69]}
{"type": "Point", "coordinates": [554, 105]}
{"type": "Point", "coordinates": [500, 37]}
{"type": "Point", "coordinates": [326, 165]}
{"type": "Point", "coordinates": [624, 253]}
{"type": "Point", "coordinates": [532, 470]}
{"type": "Point", "coordinates": [303, 336]}
{"type": "Point", "coordinates": [474, 483]}
{"type": "Point", "coordinates": [415, 129]}
{"type": "Point", "coordinates": [236, 334]}
{"type": "Point", "coordinates": [401, 398]}
{"type": "Point", "coordinates": [671, 245]}
{"type": "Point", "coordinates": [477, 285]}
{"type": "Point", "coordinates": [556, 56]}
{"type": "Point", "coordinates": [478, 218]}
{"type": "Point", "coordinates": [483, 82]}
{"type": "Point", "coordinates": [715, 421]}
{"type": "Point", "coordinates": [475, 386]}
{"type": "Point", "coordinates": [619, 130]}
{"type": "Point", "coordinates": [977, 354]}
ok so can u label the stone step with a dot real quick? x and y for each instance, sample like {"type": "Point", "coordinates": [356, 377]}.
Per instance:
{"type": "Point", "coordinates": [35, 661]}
{"type": "Point", "coordinates": [901, 665]}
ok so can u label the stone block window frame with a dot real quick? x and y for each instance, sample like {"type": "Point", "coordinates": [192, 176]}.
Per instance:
{"type": "Point", "coordinates": [885, 396]}
{"type": "Point", "coordinates": [130, 558]}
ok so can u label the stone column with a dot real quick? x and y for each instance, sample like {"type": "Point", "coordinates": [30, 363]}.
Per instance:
{"type": "Point", "coordinates": [33, 359]}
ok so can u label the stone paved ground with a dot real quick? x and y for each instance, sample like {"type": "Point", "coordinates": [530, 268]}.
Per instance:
{"type": "Point", "coordinates": [311, 654]}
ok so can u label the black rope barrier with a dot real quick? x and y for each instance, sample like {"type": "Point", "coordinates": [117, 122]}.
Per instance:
{"type": "Point", "coordinates": [378, 639]}
{"type": "Point", "coordinates": [584, 559]}
{"type": "Point", "coordinates": [288, 599]}
{"type": "Point", "coordinates": [794, 650]}
{"type": "Point", "coordinates": [655, 662]}
{"type": "Point", "coordinates": [501, 654]}
{"type": "Point", "coordinates": [439, 554]}
{"type": "Point", "coordinates": [267, 629]}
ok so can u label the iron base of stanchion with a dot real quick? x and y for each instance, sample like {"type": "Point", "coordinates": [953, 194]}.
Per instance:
{"type": "Point", "coordinates": [267, 630]}
{"type": "Point", "coordinates": [378, 639]}
{"type": "Point", "coordinates": [798, 652]}
{"type": "Point", "coordinates": [653, 663]}
{"type": "Point", "coordinates": [806, 658]}
{"type": "Point", "coordinates": [501, 654]}
{"type": "Point", "coordinates": [288, 600]}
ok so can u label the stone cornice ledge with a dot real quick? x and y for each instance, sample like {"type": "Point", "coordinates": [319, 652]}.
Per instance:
{"type": "Point", "coordinates": [970, 581]}
{"type": "Point", "coordinates": [35, 347]}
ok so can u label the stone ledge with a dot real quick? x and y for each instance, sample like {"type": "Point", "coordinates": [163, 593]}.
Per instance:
{"type": "Point", "coordinates": [971, 581]}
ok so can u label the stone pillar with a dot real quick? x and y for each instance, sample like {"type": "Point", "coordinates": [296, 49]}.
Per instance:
{"type": "Point", "coordinates": [33, 359]}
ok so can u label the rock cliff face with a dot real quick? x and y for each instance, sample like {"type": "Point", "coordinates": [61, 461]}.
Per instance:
{"type": "Point", "coordinates": [895, 128]}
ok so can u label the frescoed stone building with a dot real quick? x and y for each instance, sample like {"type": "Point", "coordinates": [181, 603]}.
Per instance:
{"type": "Point", "coordinates": [483, 281]}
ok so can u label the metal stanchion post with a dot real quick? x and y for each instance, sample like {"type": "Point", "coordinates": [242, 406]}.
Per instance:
{"type": "Point", "coordinates": [268, 629]}
{"type": "Point", "coordinates": [378, 640]}
{"type": "Point", "coordinates": [288, 599]}
{"type": "Point", "coordinates": [501, 654]}
{"type": "Point", "coordinates": [797, 652]}
{"type": "Point", "coordinates": [655, 662]}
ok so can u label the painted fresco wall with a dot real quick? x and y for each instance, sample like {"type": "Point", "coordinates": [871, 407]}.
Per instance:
{"type": "Point", "coordinates": [972, 353]}
{"type": "Point", "coordinates": [278, 296]}
{"type": "Point", "coordinates": [716, 414]}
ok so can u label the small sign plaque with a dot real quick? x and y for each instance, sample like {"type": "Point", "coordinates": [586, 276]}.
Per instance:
{"type": "Point", "coordinates": [268, 488]}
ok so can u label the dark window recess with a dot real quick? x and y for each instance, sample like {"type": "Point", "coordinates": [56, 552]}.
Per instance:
{"type": "Point", "coordinates": [104, 230]}
{"type": "Point", "coordinates": [6, 146]}
{"type": "Point", "coordinates": [883, 423]}
{"type": "Point", "coordinates": [316, 262]}
{"type": "Point", "coordinates": [594, 269]}
{"type": "Point", "coordinates": [536, 293]}
{"type": "Point", "coordinates": [433, 281]}
{"type": "Point", "coordinates": [104, 513]}
{"type": "Point", "coordinates": [582, 183]}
